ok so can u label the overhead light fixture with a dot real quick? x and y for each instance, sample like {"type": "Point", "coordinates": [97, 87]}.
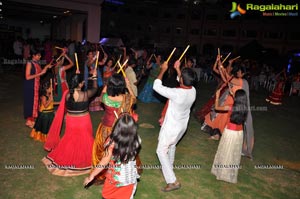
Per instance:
{"type": "Point", "coordinates": [116, 2]}
{"type": "Point", "coordinates": [41, 21]}
{"type": "Point", "coordinates": [196, 2]}
{"type": "Point", "coordinates": [67, 11]}
{"type": "Point", "coordinates": [54, 17]}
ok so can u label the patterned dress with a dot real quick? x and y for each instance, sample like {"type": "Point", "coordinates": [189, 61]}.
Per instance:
{"type": "Point", "coordinates": [121, 179]}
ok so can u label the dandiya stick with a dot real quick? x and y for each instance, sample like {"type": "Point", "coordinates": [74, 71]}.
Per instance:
{"type": "Point", "coordinates": [121, 67]}
{"type": "Point", "coordinates": [184, 52]}
{"type": "Point", "coordinates": [124, 74]}
{"type": "Point", "coordinates": [117, 61]}
{"type": "Point", "coordinates": [226, 57]}
{"type": "Point", "coordinates": [116, 114]}
{"type": "Point", "coordinates": [171, 54]}
{"type": "Point", "coordinates": [58, 48]}
{"type": "Point", "coordinates": [227, 82]}
{"type": "Point", "coordinates": [150, 57]}
{"type": "Point", "coordinates": [219, 51]}
{"type": "Point", "coordinates": [59, 57]}
{"type": "Point", "coordinates": [236, 58]}
{"type": "Point", "coordinates": [76, 60]}
{"type": "Point", "coordinates": [51, 86]}
{"type": "Point", "coordinates": [102, 49]}
{"type": "Point", "coordinates": [97, 57]}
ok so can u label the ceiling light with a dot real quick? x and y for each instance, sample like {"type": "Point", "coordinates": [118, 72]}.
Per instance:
{"type": "Point", "coordinates": [54, 17]}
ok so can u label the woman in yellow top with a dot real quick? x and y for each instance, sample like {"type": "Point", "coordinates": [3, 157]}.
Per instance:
{"type": "Point", "coordinates": [45, 115]}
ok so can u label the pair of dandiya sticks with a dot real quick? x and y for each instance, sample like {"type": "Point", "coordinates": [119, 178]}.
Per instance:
{"type": "Point", "coordinates": [228, 56]}
{"type": "Point", "coordinates": [121, 66]}
{"type": "Point", "coordinates": [228, 80]}
{"type": "Point", "coordinates": [174, 49]}
{"type": "Point", "coordinates": [76, 58]}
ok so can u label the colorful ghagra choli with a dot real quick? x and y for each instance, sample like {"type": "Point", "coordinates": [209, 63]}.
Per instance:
{"type": "Point", "coordinates": [105, 127]}
{"type": "Point", "coordinates": [43, 123]}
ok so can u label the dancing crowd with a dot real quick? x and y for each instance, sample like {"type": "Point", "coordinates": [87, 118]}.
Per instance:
{"type": "Point", "coordinates": [113, 82]}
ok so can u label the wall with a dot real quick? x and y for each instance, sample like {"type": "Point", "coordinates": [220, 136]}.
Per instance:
{"type": "Point", "coordinates": [36, 30]}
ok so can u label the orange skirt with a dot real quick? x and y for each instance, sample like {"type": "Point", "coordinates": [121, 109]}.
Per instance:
{"type": "Point", "coordinates": [110, 191]}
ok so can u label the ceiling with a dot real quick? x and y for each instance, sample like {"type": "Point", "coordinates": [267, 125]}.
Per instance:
{"type": "Point", "coordinates": [16, 10]}
{"type": "Point", "coordinates": [24, 11]}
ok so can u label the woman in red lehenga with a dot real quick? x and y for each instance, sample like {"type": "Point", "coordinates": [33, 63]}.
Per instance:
{"type": "Point", "coordinates": [72, 155]}
{"type": "Point", "coordinates": [276, 96]}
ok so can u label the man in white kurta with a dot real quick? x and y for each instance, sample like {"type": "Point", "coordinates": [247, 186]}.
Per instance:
{"type": "Point", "coordinates": [175, 121]}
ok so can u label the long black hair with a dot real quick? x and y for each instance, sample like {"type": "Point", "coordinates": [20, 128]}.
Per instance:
{"type": "Point", "coordinates": [236, 68]}
{"type": "Point", "coordinates": [116, 85]}
{"type": "Point", "coordinates": [43, 89]}
{"type": "Point", "coordinates": [75, 81]}
{"type": "Point", "coordinates": [127, 143]}
{"type": "Point", "coordinates": [240, 107]}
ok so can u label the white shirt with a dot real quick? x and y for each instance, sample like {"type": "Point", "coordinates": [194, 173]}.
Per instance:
{"type": "Point", "coordinates": [178, 112]}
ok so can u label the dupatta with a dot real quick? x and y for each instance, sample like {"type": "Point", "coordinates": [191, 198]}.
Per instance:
{"type": "Point", "coordinates": [53, 136]}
